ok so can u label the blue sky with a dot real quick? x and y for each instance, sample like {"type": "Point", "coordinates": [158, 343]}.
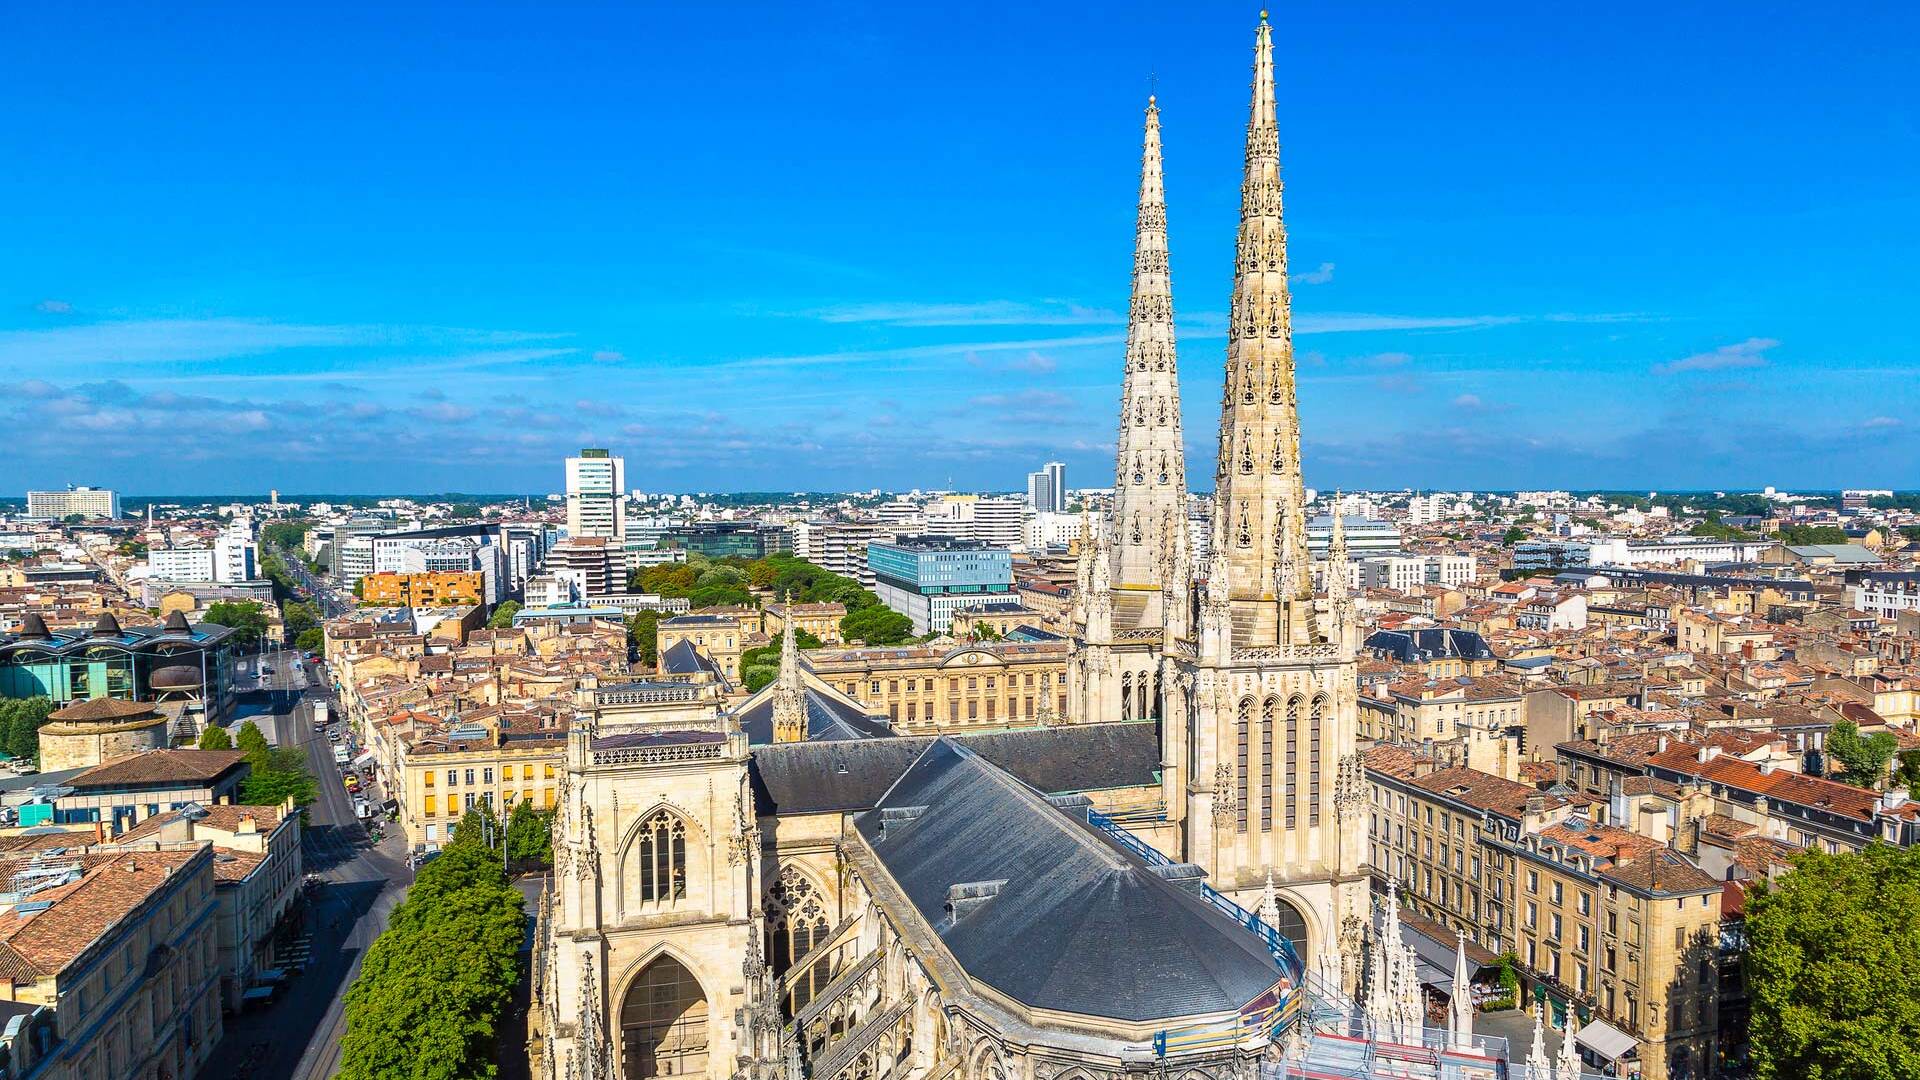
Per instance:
{"type": "Point", "coordinates": [342, 248]}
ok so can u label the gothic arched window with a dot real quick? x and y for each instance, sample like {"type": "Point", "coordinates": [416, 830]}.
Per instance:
{"type": "Point", "coordinates": [1126, 697]}
{"type": "Point", "coordinates": [1243, 723]}
{"type": "Point", "coordinates": [1314, 718]}
{"type": "Point", "coordinates": [1293, 756]}
{"type": "Point", "coordinates": [662, 857]}
{"type": "Point", "coordinates": [1268, 713]}
{"type": "Point", "coordinates": [663, 1023]}
{"type": "Point", "coordinates": [796, 926]}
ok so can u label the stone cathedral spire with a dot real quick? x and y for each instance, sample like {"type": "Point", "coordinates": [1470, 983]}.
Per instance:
{"type": "Point", "coordinates": [1150, 479]}
{"type": "Point", "coordinates": [790, 692]}
{"type": "Point", "coordinates": [1258, 482]}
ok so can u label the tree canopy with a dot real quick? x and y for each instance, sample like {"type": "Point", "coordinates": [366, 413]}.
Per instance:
{"type": "Point", "coordinates": [760, 666]}
{"type": "Point", "coordinates": [502, 618]}
{"type": "Point", "coordinates": [435, 986]}
{"type": "Point", "coordinates": [1812, 534]}
{"type": "Point", "coordinates": [1833, 964]}
{"type": "Point", "coordinates": [1512, 536]}
{"type": "Point", "coordinates": [1863, 760]}
{"type": "Point", "coordinates": [275, 774]}
{"type": "Point", "coordinates": [876, 626]}
{"type": "Point", "coordinates": [247, 617]}
{"type": "Point", "coordinates": [215, 738]}
{"type": "Point", "coordinates": [20, 721]}
{"type": "Point", "coordinates": [643, 634]}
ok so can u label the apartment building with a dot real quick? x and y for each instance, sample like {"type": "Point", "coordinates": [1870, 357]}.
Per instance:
{"type": "Point", "coordinates": [112, 962]}
{"type": "Point", "coordinates": [449, 588]}
{"type": "Point", "coordinates": [257, 874]}
{"type": "Point", "coordinates": [1481, 721]}
{"type": "Point", "coordinates": [820, 620]}
{"type": "Point", "coordinates": [445, 773]}
{"type": "Point", "coordinates": [720, 637]}
{"type": "Point", "coordinates": [1615, 927]}
{"type": "Point", "coordinates": [925, 690]}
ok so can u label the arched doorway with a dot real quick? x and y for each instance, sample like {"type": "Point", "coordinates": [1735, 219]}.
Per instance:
{"type": "Point", "coordinates": [663, 1023]}
{"type": "Point", "coordinates": [1292, 926]}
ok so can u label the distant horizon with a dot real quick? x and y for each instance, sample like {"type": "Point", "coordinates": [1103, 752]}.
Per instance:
{"type": "Point", "coordinates": [483, 497]}
{"type": "Point", "coordinates": [885, 246]}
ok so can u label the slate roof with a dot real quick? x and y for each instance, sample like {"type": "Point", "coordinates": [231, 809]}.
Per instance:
{"type": "Point", "coordinates": [1078, 925]}
{"type": "Point", "coordinates": [681, 658]}
{"type": "Point", "coordinates": [1413, 646]}
{"type": "Point", "coordinates": [819, 777]}
{"type": "Point", "coordinates": [829, 718]}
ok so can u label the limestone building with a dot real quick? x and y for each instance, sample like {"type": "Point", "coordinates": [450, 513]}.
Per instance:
{"type": "Point", "coordinates": [1171, 882]}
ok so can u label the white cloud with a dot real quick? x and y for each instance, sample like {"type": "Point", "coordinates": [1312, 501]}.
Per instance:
{"type": "Point", "coordinates": [1881, 422]}
{"type": "Point", "coordinates": [144, 341]}
{"type": "Point", "coordinates": [1313, 277]}
{"type": "Point", "coordinates": [1750, 353]}
{"type": "Point", "coordinates": [609, 356]}
{"type": "Point", "coordinates": [54, 307]}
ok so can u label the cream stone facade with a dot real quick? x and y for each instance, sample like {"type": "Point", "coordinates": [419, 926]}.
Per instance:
{"type": "Point", "coordinates": [800, 886]}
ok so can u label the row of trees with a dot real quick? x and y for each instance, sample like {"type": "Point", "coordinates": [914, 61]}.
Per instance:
{"type": "Point", "coordinates": [20, 720]}
{"type": "Point", "coordinates": [708, 582]}
{"type": "Point", "coordinates": [438, 982]}
{"type": "Point", "coordinates": [275, 773]}
{"type": "Point", "coordinates": [248, 619]}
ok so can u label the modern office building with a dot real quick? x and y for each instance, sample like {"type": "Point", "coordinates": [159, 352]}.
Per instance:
{"type": "Point", "coordinates": [1622, 551]}
{"type": "Point", "coordinates": [1363, 535]}
{"type": "Point", "coordinates": [596, 496]}
{"type": "Point", "coordinates": [176, 663]}
{"type": "Point", "coordinates": [928, 578]}
{"type": "Point", "coordinates": [232, 558]}
{"type": "Point", "coordinates": [728, 539]}
{"type": "Point", "coordinates": [1047, 489]}
{"type": "Point", "coordinates": [88, 502]}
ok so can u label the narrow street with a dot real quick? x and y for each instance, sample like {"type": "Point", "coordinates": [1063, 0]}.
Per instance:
{"type": "Point", "coordinates": [298, 1035]}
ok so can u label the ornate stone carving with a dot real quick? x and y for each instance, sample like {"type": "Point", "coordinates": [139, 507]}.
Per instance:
{"type": "Point", "coordinates": [1225, 803]}
{"type": "Point", "coordinates": [1350, 786]}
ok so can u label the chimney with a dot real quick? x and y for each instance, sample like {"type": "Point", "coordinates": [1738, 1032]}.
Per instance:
{"type": "Point", "coordinates": [246, 826]}
{"type": "Point", "coordinates": [1707, 753]}
{"type": "Point", "coordinates": [1661, 746]}
{"type": "Point", "coordinates": [1766, 767]}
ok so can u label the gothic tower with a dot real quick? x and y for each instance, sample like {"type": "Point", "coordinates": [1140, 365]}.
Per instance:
{"type": "Point", "coordinates": [1120, 603]}
{"type": "Point", "coordinates": [1264, 773]}
{"type": "Point", "coordinates": [1150, 476]}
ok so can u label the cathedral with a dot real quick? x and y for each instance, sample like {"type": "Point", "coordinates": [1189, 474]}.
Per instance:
{"type": "Point", "coordinates": [1171, 883]}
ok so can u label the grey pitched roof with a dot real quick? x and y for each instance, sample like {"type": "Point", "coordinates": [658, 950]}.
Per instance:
{"type": "Point", "coordinates": [817, 777]}
{"type": "Point", "coordinates": [681, 658]}
{"type": "Point", "coordinates": [1410, 646]}
{"type": "Point", "coordinates": [828, 719]}
{"type": "Point", "coordinates": [1077, 923]}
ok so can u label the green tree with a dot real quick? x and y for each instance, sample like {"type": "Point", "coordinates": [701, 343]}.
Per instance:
{"type": "Point", "coordinates": [1863, 760]}
{"type": "Point", "coordinates": [435, 986]}
{"type": "Point", "coordinates": [1907, 772]}
{"type": "Point", "coordinates": [1812, 534]}
{"type": "Point", "coordinates": [1833, 967]}
{"type": "Point", "coordinates": [1512, 536]}
{"type": "Point", "coordinates": [529, 834]}
{"type": "Point", "coordinates": [247, 617]}
{"type": "Point", "coordinates": [503, 615]}
{"type": "Point", "coordinates": [313, 639]}
{"type": "Point", "coordinates": [643, 634]}
{"type": "Point", "coordinates": [252, 740]}
{"type": "Point", "coordinates": [20, 723]}
{"type": "Point", "coordinates": [876, 626]}
{"type": "Point", "coordinates": [215, 738]}
{"type": "Point", "coordinates": [1911, 532]}
{"type": "Point", "coordinates": [287, 535]}
{"type": "Point", "coordinates": [300, 616]}
{"type": "Point", "coordinates": [477, 828]}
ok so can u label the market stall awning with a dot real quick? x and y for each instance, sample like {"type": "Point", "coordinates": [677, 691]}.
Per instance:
{"type": "Point", "coordinates": [1606, 1040]}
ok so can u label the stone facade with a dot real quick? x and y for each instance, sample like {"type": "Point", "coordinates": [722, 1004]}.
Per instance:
{"type": "Point", "coordinates": [90, 733]}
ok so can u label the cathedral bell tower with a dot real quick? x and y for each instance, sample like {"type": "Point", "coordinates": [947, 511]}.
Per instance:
{"type": "Point", "coordinates": [1268, 782]}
